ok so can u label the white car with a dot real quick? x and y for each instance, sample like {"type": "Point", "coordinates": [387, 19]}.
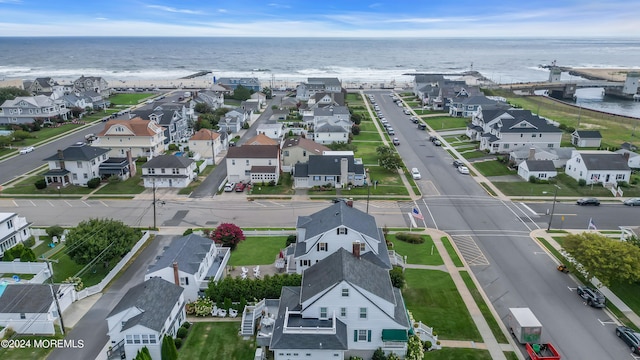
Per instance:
{"type": "Point", "coordinates": [416, 174]}
{"type": "Point", "coordinates": [229, 187]}
{"type": "Point", "coordinates": [463, 169]}
{"type": "Point", "coordinates": [27, 150]}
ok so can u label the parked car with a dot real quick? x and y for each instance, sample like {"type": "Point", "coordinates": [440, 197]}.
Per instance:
{"type": "Point", "coordinates": [422, 126]}
{"type": "Point", "coordinates": [591, 296]}
{"type": "Point", "coordinates": [433, 138]}
{"type": "Point", "coordinates": [416, 174]}
{"type": "Point", "coordinates": [229, 186]}
{"type": "Point", "coordinates": [337, 200]}
{"type": "Point", "coordinates": [406, 112]}
{"type": "Point", "coordinates": [396, 141]}
{"type": "Point", "coordinates": [390, 131]}
{"type": "Point", "coordinates": [632, 202]}
{"type": "Point", "coordinates": [588, 201]}
{"type": "Point", "coordinates": [27, 150]}
{"type": "Point", "coordinates": [463, 169]}
{"type": "Point", "coordinates": [437, 143]}
{"type": "Point", "coordinates": [630, 337]}
{"type": "Point", "coordinates": [457, 163]}
{"type": "Point", "coordinates": [240, 187]}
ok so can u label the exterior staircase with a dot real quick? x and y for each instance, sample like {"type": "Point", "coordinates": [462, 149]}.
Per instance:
{"type": "Point", "coordinates": [614, 188]}
{"type": "Point", "coordinates": [249, 316]}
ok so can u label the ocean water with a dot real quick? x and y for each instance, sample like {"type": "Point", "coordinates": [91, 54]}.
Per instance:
{"type": "Point", "coordinates": [295, 59]}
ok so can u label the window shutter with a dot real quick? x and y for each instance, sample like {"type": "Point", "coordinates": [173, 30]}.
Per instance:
{"type": "Point", "coordinates": [355, 335]}
{"type": "Point", "coordinates": [318, 247]}
{"type": "Point", "coordinates": [369, 335]}
{"type": "Point", "coordinates": [338, 231]}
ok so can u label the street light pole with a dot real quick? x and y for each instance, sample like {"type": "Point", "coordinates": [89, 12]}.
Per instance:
{"type": "Point", "coordinates": [553, 208]}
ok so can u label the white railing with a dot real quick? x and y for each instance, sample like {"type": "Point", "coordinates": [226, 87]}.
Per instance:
{"type": "Point", "coordinates": [396, 259]}
{"type": "Point", "coordinates": [425, 333]}
{"type": "Point", "coordinates": [286, 329]}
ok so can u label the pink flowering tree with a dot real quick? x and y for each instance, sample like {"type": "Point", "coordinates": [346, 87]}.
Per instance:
{"type": "Point", "coordinates": [228, 235]}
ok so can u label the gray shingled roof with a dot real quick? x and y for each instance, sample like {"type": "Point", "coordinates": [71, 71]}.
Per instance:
{"type": "Point", "coordinates": [588, 134]}
{"type": "Point", "coordinates": [155, 298]}
{"type": "Point", "coordinates": [540, 165]}
{"type": "Point", "coordinates": [188, 251]}
{"type": "Point", "coordinates": [344, 266]}
{"type": "Point", "coordinates": [289, 297]}
{"type": "Point", "coordinates": [168, 161]}
{"type": "Point", "coordinates": [329, 128]}
{"type": "Point", "coordinates": [26, 298]}
{"type": "Point", "coordinates": [253, 152]}
{"type": "Point", "coordinates": [330, 165]}
{"type": "Point", "coordinates": [338, 214]}
{"type": "Point", "coordinates": [79, 152]}
{"type": "Point", "coordinates": [605, 161]}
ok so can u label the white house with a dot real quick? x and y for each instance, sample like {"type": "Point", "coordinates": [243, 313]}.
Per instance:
{"type": "Point", "coordinates": [339, 226]}
{"type": "Point", "coordinates": [500, 131]}
{"type": "Point", "coordinates": [586, 138]}
{"type": "Point", "coordinates": [146, 313]}
{"type": "Point", "coordinates": [273, 131]}
{"type": "Point", "coordinates": [346, 306]}
{"type": "Point", "coordinates": [540, 169]}
{"type": "Point", "coordinates": [25, 109]}
{"type": "Point", "coordinates": [168, 171]}
{"type": "Point", "coordinates": [30, 309]}
{"type": "Point", "coordinates": [206, 143]}
{"type": "Point", "coordinates": [633, 159]}
{"type": "Point", "coordinates": [75, 165]}
{"type": "Point", "coordinates": [559, 156]}
{"type": "Point", "coordinates": [598, 167]}
{"type": "Point", "coordinates": [144, 138]}
{"type": "Point", "coordinates": [13, 230]}
{"type": "Point", "coordinates": [233, 121]}
{"type": "Point", "coordinates": [304, 91]}
{"type": "Point", "coordinates": [253, 163]}
{"type": "Point", "coordinates": [194, 261]}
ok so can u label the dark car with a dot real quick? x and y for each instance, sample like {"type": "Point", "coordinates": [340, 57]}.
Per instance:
{"type": "Point", "coordinates": [337, 200]}
{"type": "Point", "coordinates": [457, 163]}
{"type": "Point", "coordinates": [632, 202]}
{"type": "Point", "coordinates": [422, 126]}
{"type": "Point", "coordinates": [588, 201]}
{"type": "Point", "coordinates": [592, 297]}
{"type": "Point", "coordinates": [630, 337]}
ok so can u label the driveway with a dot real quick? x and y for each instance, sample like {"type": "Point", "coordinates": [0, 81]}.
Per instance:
{"type": "Point", "coordinates": [92, 327]}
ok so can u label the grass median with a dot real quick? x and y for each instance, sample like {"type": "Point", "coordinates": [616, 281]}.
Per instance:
{"type": "Point", "coordinates": [484, 308]}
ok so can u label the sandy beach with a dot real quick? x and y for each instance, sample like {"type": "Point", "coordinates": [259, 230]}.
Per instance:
{"type": "Point", "coordinates": [601, 73]}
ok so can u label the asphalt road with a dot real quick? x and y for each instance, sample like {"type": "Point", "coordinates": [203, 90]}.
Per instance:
{"type": "Point", "coordinates": [92, 327]}
{"type": "Point", "coordinates": [493, 236]}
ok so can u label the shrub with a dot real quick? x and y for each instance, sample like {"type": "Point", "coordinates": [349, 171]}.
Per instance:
{"type": "Point", "coordinates": [114, 179]}
{"type": "Point", "coordinates": [397, 277]}
{"type": "Point", "coordinates": [291, 239]}
{"type": "Point", "coordinates": [582, 182]}
{"type": "Point", "coordinates": [9, 333]}
{"type": "Point", "coordinates": [27, 255]}
{"type": "Point", "coordinates": [186, 325]}
{"type": "Point", "coordinates": [178, 342]}
{"type": "Point", "coordinates": [172, 147]}
{"type": "Point", "coordinates": [355, 129]}
{"type": "Point", "coordinates": [410, 238]}
{"type": "Point", "coordinates": [623, 184]}
{"type": "Point", "coordinates": [182, 333]}
{"type": "Point", "coordinates": [93, 183]}
{"type": "Point", "coordinates": [187, 232]}
{"type": "Point", "coordinates": [30, 242]}
{"type": "Point", "coordinates": [41, 184]}
{"type": "Point", "coordinates": [54, 230]}
{"type": "Point", "coordinates": [379, 355]}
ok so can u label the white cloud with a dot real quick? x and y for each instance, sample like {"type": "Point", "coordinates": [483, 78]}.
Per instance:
{"type": "Point", "coordinates": [279, 6]}
{"type": "Point", "coordinates": [174, 10]}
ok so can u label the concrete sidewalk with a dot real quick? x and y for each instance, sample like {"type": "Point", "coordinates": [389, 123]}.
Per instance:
{"type": "Point", "coordinates": [611, 297]}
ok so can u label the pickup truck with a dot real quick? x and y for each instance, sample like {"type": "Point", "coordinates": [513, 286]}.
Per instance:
{"type": "Point", "coordinates": [542, 352]}
{"type": "Point", "coordinates": [592, 297]}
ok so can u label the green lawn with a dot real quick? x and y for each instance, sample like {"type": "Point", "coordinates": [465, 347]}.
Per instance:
{"type": "Point", "coordinates": [219, 340]}
{"type": "Point", "coordinates": [30, 352]}
{"type": "Point", "coordinates": [474, 154]}
{"type": "Point", "coordinates": [257, 250]}
{"type": "Point", "coordinates": [284, 188]}
{"type": "Point", "coordinates": [484, 308]}
{"type": "Point", "coordinates": [26, 186]}
{"type": "Point", "coordinates": [452, 252]}
{"type": "Point", "coordinates": [432, 297]}
{"type": "Point", "coordinates": [128, 98]}
{"type": "Point", "coordinates": [568, 187]}
{"type": "Point", "coordinates": [43, 247]}
{"type": "Point", "coordinates": [417, 253]}
{"type": "Point", "coordinates": [493, 168]}
{"type": "Point", "coordinates": [64, 267]}
{"type": "Point", "coordinates": [458, 354]}
{"type": "Point", "coordinates": [367, 126]}
{"type": "Point", "coordinates": [133, 185]}
{"type": "Point", "coordinates": [367, 136]}
{"type": "Point", "coordinates": [445, 122]}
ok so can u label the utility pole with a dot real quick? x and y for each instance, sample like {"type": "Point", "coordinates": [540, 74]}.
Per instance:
{"type": "Point", "coordinates": [553, 208]}
{"type": "Point", "coordinates": [368, 196]}
{"type": "Point", "coordinates": [154, 204]}
{"type": "Point", "coordinates": [54, 295]}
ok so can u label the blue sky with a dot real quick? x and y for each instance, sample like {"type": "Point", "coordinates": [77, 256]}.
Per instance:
{"type": "Point", "coordinates": [346, 18]}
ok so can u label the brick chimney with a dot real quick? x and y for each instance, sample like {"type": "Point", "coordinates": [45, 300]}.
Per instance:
{"type": "Point", "coordinates": [625, 155]}
{"type": "Point", "coordinates": [176, 275]}
{"type": "Point", "coordinates": [356, 250]}
{"type": "Point", "coordinates": [61, 158]}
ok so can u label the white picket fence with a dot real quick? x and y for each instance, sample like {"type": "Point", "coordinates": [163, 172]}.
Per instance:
{"type": "Point", "coordinates": [91, 290]}
{"type": "Point", "coordinates": [38, 269]}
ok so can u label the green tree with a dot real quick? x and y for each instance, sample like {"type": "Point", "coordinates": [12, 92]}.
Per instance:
{"type": "Point", "coordinates": [10, 93]}
{"type": "Point", "coordinates": [397, 277]}
{"type": "Point", "coordinates": [609, 260]}
{"type": "Point", "coordinates": [267, 92]}
{"type": "Point", "coordinates": [21, 135]}
{"type": "Point", "coordinates": [111, 239]}
{"type": "Point", "coordinates": [355, 129]}
{"type": "Point", "coordinates": [5, 140]}
{"type": "Point", "coordinates": [143, 354]}
{"type": "Point", "coordinates": [379, 355]}
{"type": "Point", "coordinates": [415, 351]}
{"type": "Point", "coordinates": [390, 161]}
{"type": "Point", "coordinates": [168, 350]}
{"type": "Point", "coordinates": [383, 150]}
{"type": "Point", "coordinates": [203, 108]}
{"type": "Point", "coordinates": [241, 93]}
